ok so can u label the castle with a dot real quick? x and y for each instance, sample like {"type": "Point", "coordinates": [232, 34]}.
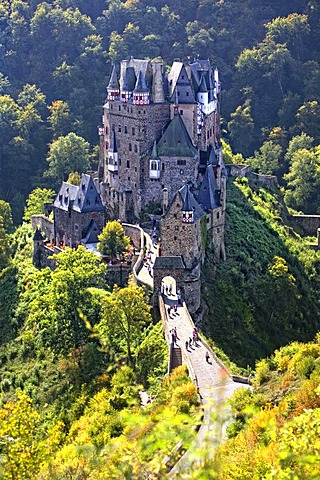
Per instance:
{"type": "Point", "coordinates": [160, 152]}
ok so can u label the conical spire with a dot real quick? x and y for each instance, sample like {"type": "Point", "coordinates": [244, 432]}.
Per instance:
{"type": "Point", "coordinates": [154, 154]}
{"type": "Point", "coordinates": [141, 85]}
{"type": "Point", "coordinates": [186, 207]}
{"type": "Point", "coordinates": [203, 84]}
{"type": "Point", "coordinates": [113, 83]}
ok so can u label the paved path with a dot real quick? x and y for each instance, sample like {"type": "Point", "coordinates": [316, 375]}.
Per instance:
{"type": "Point", "coordinates": [215, 387]}
{"type": "Point", "coordinates": [144, 276]}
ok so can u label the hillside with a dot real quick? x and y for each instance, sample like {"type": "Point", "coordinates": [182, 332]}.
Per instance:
{"type": "Point", "coordinates": [265, 294]}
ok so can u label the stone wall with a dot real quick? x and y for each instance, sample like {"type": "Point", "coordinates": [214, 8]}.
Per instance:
{"type": "Point", "coordinates": [257, 179]}
{"type": "Point", "coordinates": [179, 238]}
{"type": "Point", "coordinates": [308, 223]}
{"type": "Point", "coordinates": [172, 176]}
{"type": "Point", "coordinates": [71, 226]}
{"type": "Point", "coordinates": [192, 293]}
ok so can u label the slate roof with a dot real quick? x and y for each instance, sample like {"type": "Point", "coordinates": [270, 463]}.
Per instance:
{"type": "Point", "coordinates": [176, 142]}
{"type": "Point", "coordinates": [92, 233]}
{"type": "Point", "coordinates": [187, 205]}
{"type": "Point", "coordinates": [114, 83]}
{"type": "Point", "coordinates": [180, 85]}
{"type": "Point", "coordinates": [193, 205]}
{"type": "Point", "coordinates": [209, 196]}
{"type": "Point", "coordinates": [38, 235]}
{"type": "Point", "coordinates": [141, 85]}
{"type": "Point", "coordinates": [163, 263]}
{"type": "Point", "coordinates": [83, 198]}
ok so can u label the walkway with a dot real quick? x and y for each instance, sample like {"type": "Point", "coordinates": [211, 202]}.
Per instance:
{"type": "Point", "coordinates": [215, 387]}
{"type": "Point", "coordinates": [144, 275]}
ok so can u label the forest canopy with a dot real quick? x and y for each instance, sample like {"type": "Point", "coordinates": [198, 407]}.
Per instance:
{"type": "Point", "coordinates": [56, 58]}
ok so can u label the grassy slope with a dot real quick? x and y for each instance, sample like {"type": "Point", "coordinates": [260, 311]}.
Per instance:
{"type": "Point", "coordinates": [254, 309]}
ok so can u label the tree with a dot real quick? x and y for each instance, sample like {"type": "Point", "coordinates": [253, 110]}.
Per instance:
{"type": "Point", "coordinates": [266, 160]}
{"type": "Point", "coordinates": [308, 119]}
{"type": "Point", "coordinates": [303, 187]}
{"type": "Point", "coordinates": [74, 178]}
{"type": "Point", "coordinates": [56, 303]}
{"type": "Point", "coordinates": [5, 246]}
{"type": "Point", "coordinates": [23, 450]}
{"type": "Point", "coordinates": [241, 129]}
{"type": "Point", "coordinates": [112, 239]}
{"type": "Point", "coordinates": [299, 142]}
{"type": "Point", "coordinates": [36, 202]}
{"type": "Point", "coordinates": [5, 213]}
{"type": "Point", "coordinates": [67, 154]}
{"type": "Point", "coordinates": [124, 315]}
{"type": "Point", "coordinates": [59, 118]}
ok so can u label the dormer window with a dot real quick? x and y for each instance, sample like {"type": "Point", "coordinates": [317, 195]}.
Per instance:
{"type": "Point", "coordinates": [83, 186]}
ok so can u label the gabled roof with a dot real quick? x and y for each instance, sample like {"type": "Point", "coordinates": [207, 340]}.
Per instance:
{"type": "Point", "coordinates": [88, 198]}
{"type": "Point", "coordinates": [176, 142]}
{"type": "Point", "coordinates": [209, 196]}
{"type": "Point", "coordinates": [189, 200]}
{"type": "Point", "coordinates": [92, 233]}
{"type": "Point", "coordinates": [180, 85]}
{"type": "Point", "coordinates": [83, 198]}
{"type": "Point", "coordinates": [66, 196]}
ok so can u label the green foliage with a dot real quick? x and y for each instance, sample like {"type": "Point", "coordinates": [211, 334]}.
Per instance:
{"type": "Point", "coordinates": [264, 261]}
{"type": "Point", "coordinates": [112, 239]}
{"type": "Point", "coordinates": [66, 155]}
{"type": "Point", "coordinates": [36, 202]}
{"type": "Point", "coordinates": [125, 313]}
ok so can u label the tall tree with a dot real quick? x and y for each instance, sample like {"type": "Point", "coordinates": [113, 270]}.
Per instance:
{"type": "Point", "coordinates": [125, 314]}
{"type": "Point", "coordinates": [67, 154]}
{"type": "Point", "coordinates": [112, 239]}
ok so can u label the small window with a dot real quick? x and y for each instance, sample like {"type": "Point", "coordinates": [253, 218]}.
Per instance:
{"type": "Point", "coordinates": [128, 164]}
{"type": "Point", "coordinates": [218, 215]}
{"type": "Point", "coordinates": [129, 179]}
{"type": "Point", "coordinates": [125, 129]}
{"type": "Point", "coordinates": [119, 128]}
{"type": "Point", "coordinates": [135, 148]}
{"type": "Point", "coordinates": [163, 169]}
{"type": "Point", "coordinates": [76, 227]}
{"type": "Point", "coordinates": [181, 112]}
{"type": "Point", "coordinates": [133, 131]}
{"type": "Point", "coordinates": [181, 162]}
{"type": "Point", "coordinates": [174, 238]}
{"type": "Point", "coordinates": [187, 94]}
{"type": "Point", "coordinates": [130, 147]}
{"type": "Point", "coordinates": [119, 108]}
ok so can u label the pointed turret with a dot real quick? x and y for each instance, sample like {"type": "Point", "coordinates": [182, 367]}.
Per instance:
{"type": "Point", "coordinates": [187, 210]}
{"type": "Point", "coordinates": [113, 89]}
{"type": "Point", "coordinates": [141, 91]}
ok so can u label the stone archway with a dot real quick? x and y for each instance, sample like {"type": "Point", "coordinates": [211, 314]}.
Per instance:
{"type": "Point", "coordinates": [169, 286]}
{"type": "Point", "coordinates": [168, 267]}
